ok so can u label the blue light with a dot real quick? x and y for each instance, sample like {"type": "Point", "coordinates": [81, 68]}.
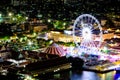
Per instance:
{"type": "Point", "coordinates": [117, 76]}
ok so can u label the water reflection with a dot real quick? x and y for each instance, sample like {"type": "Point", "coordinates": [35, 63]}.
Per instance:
{"type": "Point", "coordinates": [107, 76]}
{"type": "Point", "coordinates": [88, 75]}
{"type": "Point", "coordinates": [84, 75]}
{"type": "Point", "coordinates": [117, 76]}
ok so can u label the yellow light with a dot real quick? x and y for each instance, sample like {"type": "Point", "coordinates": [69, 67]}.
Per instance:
{"type": "Point", "coordinates": [35, 75]}
{"type": "Point", "coordinates": [117, 30]}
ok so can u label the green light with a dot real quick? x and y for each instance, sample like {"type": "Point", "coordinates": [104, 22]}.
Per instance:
{"type": "Point", "coordinates": [105, 50]}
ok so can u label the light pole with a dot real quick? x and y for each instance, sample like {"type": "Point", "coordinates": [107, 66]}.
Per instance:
{"type": "Point", "coordinates": [10, 16]}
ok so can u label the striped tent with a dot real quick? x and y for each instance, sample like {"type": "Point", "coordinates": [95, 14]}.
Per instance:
{"type": "Point", "coordinates": [55, 49]}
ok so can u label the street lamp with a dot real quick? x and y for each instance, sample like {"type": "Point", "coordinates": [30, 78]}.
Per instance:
{"type": "Point", "coordinates": [10, 14]}
{"type": "Point", "coordinates": [49, 20]}
{"type": "Point", "coordinates": [26, 18]}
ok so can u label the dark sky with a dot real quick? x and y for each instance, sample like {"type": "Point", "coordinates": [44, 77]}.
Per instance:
{"type": "Point", "coordinates": [5, 2]}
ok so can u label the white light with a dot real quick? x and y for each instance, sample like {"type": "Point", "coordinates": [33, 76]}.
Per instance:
{"type": "Point", "coordinates": [115, 36]}
{"type": "Point", "coordinates": [49, 20]}
{"type": "Point", "coordinates": [30, 43]}
{"type": "Point", "coordinates": [14, 19]}
{"type": "Point", "coordinates": [105, 48]}
{"type": "Point", "coordinates": [0, 15]}
{"type": "Point", "coordinates": [10, 14]}
{"type": "Point", "coordinates": [26, 18]}
{"type": "Point", "coordinates": [86, 34]}
{"type": "Point", "coordinates": [64, 24]}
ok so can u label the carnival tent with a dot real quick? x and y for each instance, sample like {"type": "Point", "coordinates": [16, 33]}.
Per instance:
{"type": "Point", "coordinates": [55, 49]}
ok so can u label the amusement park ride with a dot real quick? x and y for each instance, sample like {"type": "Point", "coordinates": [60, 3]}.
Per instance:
{"type": "Point", "coordinates": [90, 47]}
{"type": "Point", "coordinates": [87, 35]}
{"type": "Point", "coordinates": [88, 28]}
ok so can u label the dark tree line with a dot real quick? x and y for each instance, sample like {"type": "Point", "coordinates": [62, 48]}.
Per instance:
{"type": "Point", "coordinates": [5, 29]}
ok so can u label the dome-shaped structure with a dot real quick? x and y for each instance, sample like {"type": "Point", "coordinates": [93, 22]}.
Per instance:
{"type": "Point", "coordinates": [55, 49]}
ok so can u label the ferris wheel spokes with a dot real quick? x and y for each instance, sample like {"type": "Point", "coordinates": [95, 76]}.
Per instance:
{"type": "Point", "coordinates": [88, 28]}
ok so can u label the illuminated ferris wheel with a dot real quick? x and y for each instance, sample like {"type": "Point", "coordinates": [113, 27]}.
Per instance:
{"type": "Point", "coordinates": [87, 32]}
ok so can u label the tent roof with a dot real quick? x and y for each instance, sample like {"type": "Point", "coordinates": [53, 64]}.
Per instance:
{"type": "Point", "coordinates": [55, 49]}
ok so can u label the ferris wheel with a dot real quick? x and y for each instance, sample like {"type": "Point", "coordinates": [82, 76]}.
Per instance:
{"type": "Point", "coordinates": [87, 31]}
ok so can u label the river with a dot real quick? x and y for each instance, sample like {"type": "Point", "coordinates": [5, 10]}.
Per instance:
{"type": "Point", "coordinates": [82, 75]}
